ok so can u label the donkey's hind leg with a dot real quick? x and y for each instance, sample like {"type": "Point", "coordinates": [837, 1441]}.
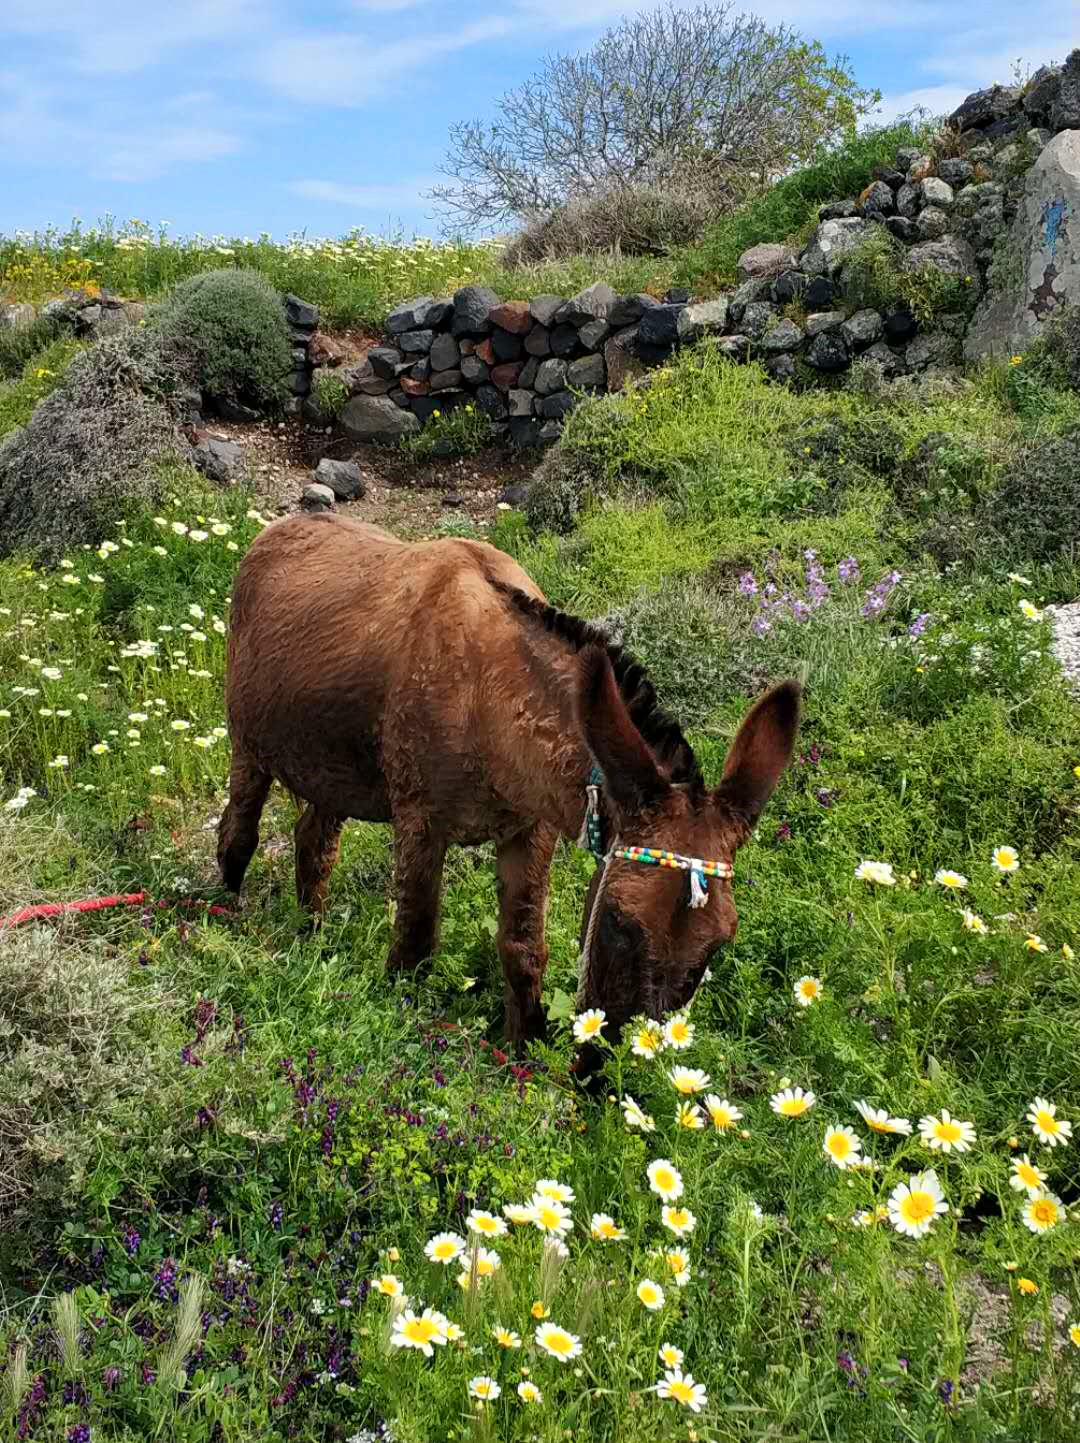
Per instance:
{"type": "Point", "coordinates": [238, 831]}
{"type": "Point", "coordinates": [523, 865]}
{"type": "Point", "coordinates": [317, 839]}
{"type": "Point", "coordinates": [419, 853]}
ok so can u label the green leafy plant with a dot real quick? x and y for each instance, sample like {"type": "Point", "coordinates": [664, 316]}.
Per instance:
{"type": "Point", "coordinates": [460, 431]}
{"type": "Point", "coordinates": [329, 393]}
{"type": "Point", "coordinates": [234, 324]}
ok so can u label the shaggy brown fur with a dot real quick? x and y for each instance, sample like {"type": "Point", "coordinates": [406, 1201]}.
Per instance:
{"type": "Point", "coordinates": [431, 685]}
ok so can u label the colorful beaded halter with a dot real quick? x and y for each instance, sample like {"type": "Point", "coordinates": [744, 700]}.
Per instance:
{"type": "Point", "coordinates": [700, 869]}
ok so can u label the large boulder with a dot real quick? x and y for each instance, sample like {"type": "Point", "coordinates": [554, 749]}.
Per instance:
{"type": "Point", "coordinates": [950, 255]}
{"type": "Point", "coordinates": [420, 314]}
{"type": "Point", "coordinates": [1065, 110]}
{"type": "Point", "coordinates": [984, 107]}
{"type": "Point", "coordinates": [591, 304]}
{"type": "Point", "coordinates": [1045, 237]}
{"type": "Point", "coordinates": [832, 241]}
{"type": "Point", "coordinates": [703, 319]}
{"type": "Point", "coordinates": [472, 310]}
{"type": "Point", "coordinates": [377, 418]}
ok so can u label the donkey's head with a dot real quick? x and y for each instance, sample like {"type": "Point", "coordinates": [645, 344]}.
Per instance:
{"type": "Point", "coordinates": [649, 947]}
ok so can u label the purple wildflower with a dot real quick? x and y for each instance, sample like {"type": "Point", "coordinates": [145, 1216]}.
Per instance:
{"type": "Point", "coordinates": [919, 625]}
{"type": "Point", "coordinates": [149, 1376]}
{"type": "Point", "coordinates": [80, 1433]}
{"type": "Point", "coordinates": [878, 595]}
{"type": "Point", "coordinates": [191, 1058]}
{"type": "Point", "coordinates": [30, 1408]}
{"type": "Point", "coordinates": [277, 1212]}
{"type": "Point", "coordinates": [946, 1388]}
{"type": "Point", "coordinates": [165, 1281]}
{"type": "Point", "coordinates": [761, 625]}
{"type": "Point", "coordinates": [131, 1239]}
{"type": "Point", "coordinates": [109, 1379]}
{"type": "Point", "coordinates": [848, 569]}
{"type": "Point", "coordinates": [748, 584]}
{"type": "Point", "coordinates": [799, 609]}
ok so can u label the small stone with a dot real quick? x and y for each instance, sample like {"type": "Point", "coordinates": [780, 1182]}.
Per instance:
{"type": "Point", "coordinates": [550, 377]}
{"type": "Point", "coordinates": [784, 336]}
{"type": "Point", "coordinates": [588, 374]}
{"type": "Point", "coordinates": [399, 398]}
{"type": "Point", "coordinates": [506, 347]}
{"type": "Point", "coordinates": [677, 296]}
{"type": "Point", "coordinates": [543, 309]}
{"type": "Point", "coordinates": [909, 200]}
{"type": "Point", "coordinates": [886, 360]}
{"type": "Point", "coordinates": [370, 385]}
{"type": "Point", "coordinates": [903, 229]}
{"type": "Point", "coordinates": [549, 433]}
{"type": "Point", "coordinates": [822, 321]}
{"type": "Point", "coordinates": [781, 367]}
{"type": "Point", "coordinates": [413, 387]}
{"type": "Point", "coordinates": [659, 326]}
{"type": "Point", "coordinates": [758, 289]}
{"type": "Point", "coordinates": [512, 316]}
{"type": "Point", "coordinates": [514, 496]}
{"type": "Point", "coordinates": [1042, 91]}
{"type": "Point", "coordinates": [932, 224]}
{"type": "Point", "coordinates": [416, 342]}
{"type": "Point", "coordinates": [221, 461]}
{"type": "Point", "coordinates": [733, 348]}
{"type": "Point", "coordinates": [757, 318]}
{"type": "Point", "coordinates": [956, 170]}
{"type": "Point", "coordinates": [472, 310]}
{"type": "Point", "coordinates": [591, 304]}
{"type": "Point", "coordinates": [765, 261]}
{"type": "Point", "coordinates": [950, 255]}
{"type": "Point", "coordinates": [491, 401]}
{"type": "Point", "coordinates": [558, 405]}
{"type": "Point", "coordinates": [983, 107]}
{"type": "Point", "coordinates": [935, 349]}
{"type": "Point", "coordinates": [862, 329]}
{"type": "Point", "coordinates": [905, 157]}
{"type": "Point", "coordinates": [485, 351]}
{"type": "Point", "coordinates": [593, 334]}
{"type": "Point", "coordinates": [620, 360]}
{"type": "Point", "coordinates": [506, 375]}
{"type": "Point", "coordinates": [344, 479]}
{"type": "Point", "coordinates": [528, 373]}
{"type": "Point", "coordinates": [791, 286]}
{"type": "Point", "coordinates": [473, 370]}
{"type": "Point", "coordinates": [445, 353]}
{"type": "Point", "coordinates": [628, 310]}
{"type": "Point", "coordinates": [831, 243]}
{"type": "Point", "coordinates": [828, 353]}
{"type": "Point", "coordinates": [299, 382]}
{"type": "Point", "coordinates": [301, 314]}
{"type": "Point", "coordinates": [317, 498]}
{"type": "Point", "coordinates": [900, 325]}
{"type": "Point", "coordinates": [564, 340]}
{"type": "Point", "coordinates": [446, 380]}
{"type": "Point", "coordinates": [422, 370]}
{"type": "Point", "coordinates": [538, 341]}
{"type": "Point", "coordinates": [453, 499]}
{"type": "Point", "coordinates": [919, 169]}
{"type": "Point", "coordinates": [838, 210]}
{"type": "Point", "coordinates": [519, 402]}
{"type": "Point", "coordinates": [524, 433]}
{"type": "Point", "coordinates": [235, 412]}
{"type": "Point", "coordinates": [937, 192]}
{"type": "Point", "coordinates": [421, 313]}
{"type": "Point", "coordinates": [892, 177]}
{"type": "Point", "coordinates": [877, 199]}
{"type": "Point", "coordinates": [704, 318]}
{"type": "Point", "coordinates": [819, 294]}
{"type": "Point", "coordinates": [323, 350]}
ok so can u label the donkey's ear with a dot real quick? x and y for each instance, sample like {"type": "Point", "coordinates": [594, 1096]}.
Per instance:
{"type": "Point", "coordinates": [633, 780]}
{"type": "Point", "coordinates": [761, 750]}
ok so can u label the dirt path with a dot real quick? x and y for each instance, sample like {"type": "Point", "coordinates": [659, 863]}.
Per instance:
{"type": "Point", "coordinates": [403, 496]}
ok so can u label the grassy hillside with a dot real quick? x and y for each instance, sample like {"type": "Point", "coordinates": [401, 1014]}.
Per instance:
{"type": "Point", "coordinates": [227, 1143]}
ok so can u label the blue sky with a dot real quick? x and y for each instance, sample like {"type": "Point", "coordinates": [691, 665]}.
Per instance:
{"type": "Point", "coordinates": [238, 116]}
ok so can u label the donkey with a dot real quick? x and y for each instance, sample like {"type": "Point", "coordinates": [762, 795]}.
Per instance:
{"type": "Point", "coordinates": [431, 685]}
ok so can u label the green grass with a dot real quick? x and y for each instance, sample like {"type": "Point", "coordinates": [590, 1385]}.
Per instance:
{"type": "Point", "coordinates": [322, 1121]}
{"type": "Point", "coordinates": [41, 375]}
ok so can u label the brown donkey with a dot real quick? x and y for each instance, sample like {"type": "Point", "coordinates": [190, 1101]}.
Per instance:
{"type": "Point", "coordinates": [430, 685]}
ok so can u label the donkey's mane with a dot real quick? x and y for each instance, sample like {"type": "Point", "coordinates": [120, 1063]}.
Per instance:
{"type": "Point", "coordinates": [662, 732]}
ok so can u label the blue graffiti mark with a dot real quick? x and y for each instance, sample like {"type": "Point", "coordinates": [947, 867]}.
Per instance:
{"type": "Point", "coordinates": [1053, 216]}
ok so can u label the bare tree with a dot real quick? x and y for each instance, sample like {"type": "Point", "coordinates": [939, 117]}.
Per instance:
{"type": "Point", "coordinates": [723, 95]}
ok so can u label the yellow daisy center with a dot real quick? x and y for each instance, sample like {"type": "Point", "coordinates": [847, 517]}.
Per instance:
{"type": "Point", "coordinates": [794, 1106]}
{"type": "Point", "coordinates": [1044, 1212]}
{"type": "Point", "coordinates": [678, 1217]}
{"type": "Point", "coordinates": [876, 1125]}
{"type": "Point", "coordinates": [607, 1230]}
{"type": "Point", "coordinates": [917, 1207]}
{"type": "Point", "coordinates": [948, 1131]}
{"type": "Point", "coordinates": [484, 1268]}
{"type": "Point", "coordinates": [591, 1025]}
{"type": "Point", "coordinates": [681, 1392]}
{"type": "Point", "coordinates": [1046, 1121]}
{"type": "Point", "coordinates": [721, 1117]}
{"type": "Point", "coordinates": [481, 1389]}
{"type": "Point", "coordinates": [808, 989]}
{"type": "Point", "coordinates": [445, 1250]}
{"type": "Point", "coordinates": [420, 1330]}
{"type": "Point", "coordinates": [1027, 1174]}
{"type": "Point", "coordinates": [560, 1343]}
{"type": "Point", "coordinates": [679, 1031]}
{"type": "Point", "coordinates": [548, 1217]}
{"type": "Point", "coordinates": [839, 1145]}
{"type": "Point", "coordinates": [665, 1178]}
{"type": "Point", "coordinates": [647, 1041]}
{"type": "Point", "coordinates": [486, 1225]}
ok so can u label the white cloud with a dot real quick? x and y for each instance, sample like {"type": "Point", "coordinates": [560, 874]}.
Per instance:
{"type": "Point", "coordinates": [364, 197]}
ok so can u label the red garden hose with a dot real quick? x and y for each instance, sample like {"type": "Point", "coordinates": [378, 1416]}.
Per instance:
{"type": "Point", "coordinates": [97, 904]}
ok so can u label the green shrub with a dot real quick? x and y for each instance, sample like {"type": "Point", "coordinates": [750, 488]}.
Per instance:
{"type": "Point", "coordinates": [638, 221]}
{"type": "Point", "coordinates": [1056, 354]}
{"type": "Point", "coordinates": [18, 346]}
{"type": "Point", "coordinates": [872, 276]}
{"type": "Point", "coordinates": [460, 432]}
{"type": "Point", "coordinates": [561, 486]}
{"type": "Point", "coordinates": [43, 372]}
{"type": "Point", "coordinates": [329, 392]}
{"type": "Point", "coordinates": [91, 446]}
{"type": "Point", "coordinates": [791, 206]}
{"type": "Point", "coordinates": [234, 322]}
{"type": "Point", "coordinates": [1036, 509]}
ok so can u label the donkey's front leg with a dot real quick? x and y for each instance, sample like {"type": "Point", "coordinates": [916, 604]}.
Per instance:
{"type": "Point", "coordinates": [419, 853]}
{"type": "Point", "coordinates": [523, 866]}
